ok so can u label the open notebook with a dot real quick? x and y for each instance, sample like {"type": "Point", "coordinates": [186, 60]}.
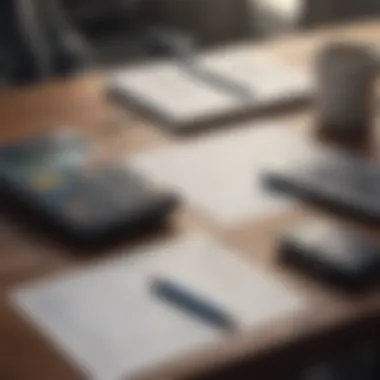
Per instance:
{"type": "Point", "coordinates": [216, 87]}
{"type": "Point", "coordinates": [108, 322]}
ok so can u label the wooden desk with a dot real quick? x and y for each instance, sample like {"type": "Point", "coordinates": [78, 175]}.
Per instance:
{"type": "Point", "coordinates": [332, 321]}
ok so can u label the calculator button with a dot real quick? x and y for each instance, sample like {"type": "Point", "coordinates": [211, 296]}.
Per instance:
{"type": "Point", "coordinates": [77, 210]}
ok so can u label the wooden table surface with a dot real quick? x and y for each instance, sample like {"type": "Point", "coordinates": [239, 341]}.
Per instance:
{"type": "Point", "coordinates": [332, 321]}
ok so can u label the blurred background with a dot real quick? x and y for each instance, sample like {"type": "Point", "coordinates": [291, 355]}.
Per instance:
{"type": "Point", "coordinates": [113, 28]}
{"type": "Point", "coordinates": [87, 33]}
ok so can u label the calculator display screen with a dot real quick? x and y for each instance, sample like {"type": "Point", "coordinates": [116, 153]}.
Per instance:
{"type": "Point", "coordinates": [58, 151]}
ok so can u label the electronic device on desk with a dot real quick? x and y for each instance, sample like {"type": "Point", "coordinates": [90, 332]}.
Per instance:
{"type": "Point", "coordinates": [332, 178]}
{"type": "Point", "coordinates": [49, 179]}
{"type": "Point", "coordinates": [332, 253]}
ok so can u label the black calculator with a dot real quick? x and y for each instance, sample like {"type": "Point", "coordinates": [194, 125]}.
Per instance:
{"type": "Point", "coordinates": [49, 179]}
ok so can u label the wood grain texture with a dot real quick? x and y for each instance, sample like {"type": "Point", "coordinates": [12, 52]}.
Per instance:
{"type": "Point", "coordinates": [332, 322]}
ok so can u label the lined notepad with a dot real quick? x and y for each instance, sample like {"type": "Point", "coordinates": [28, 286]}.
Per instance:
{"type": "Point", "coordinates": [181, 100]}
{"type": "Point", "coordinates": [106, 320]}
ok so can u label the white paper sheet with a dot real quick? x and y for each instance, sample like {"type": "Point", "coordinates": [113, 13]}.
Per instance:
{"type": "Point", "coordinates": [108, 322]}
{"type": "Point", "coordinates": [221, 175]}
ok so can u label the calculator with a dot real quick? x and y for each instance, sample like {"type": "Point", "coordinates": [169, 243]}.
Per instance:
{"type": "Point", "coordinates": [49, 179]}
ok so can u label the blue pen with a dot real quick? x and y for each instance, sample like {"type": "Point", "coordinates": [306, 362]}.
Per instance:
{"type": "Point", "coordinates": [193, 304]}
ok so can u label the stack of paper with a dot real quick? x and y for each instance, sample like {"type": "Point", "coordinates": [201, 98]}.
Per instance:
{"type": "Point", "coordinates": [107, 320]}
